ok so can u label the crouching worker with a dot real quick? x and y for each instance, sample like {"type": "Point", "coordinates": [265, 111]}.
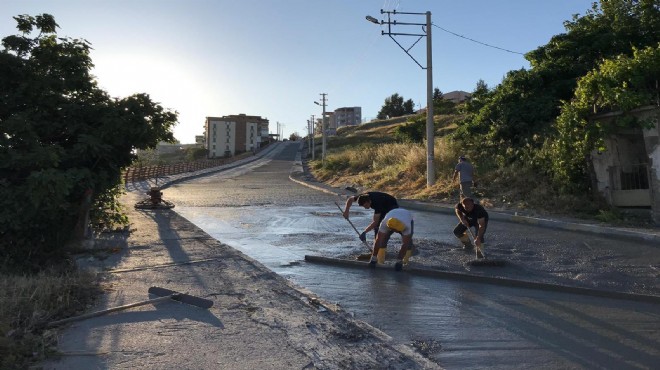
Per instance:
{"type": "Point", "coordinates": [471, 215]}
{"type": "Point", "coordinates": [400, 221]}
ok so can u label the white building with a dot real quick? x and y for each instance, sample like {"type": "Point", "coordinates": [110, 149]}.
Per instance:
{"type": "Point", "coordinates": [229, 135]}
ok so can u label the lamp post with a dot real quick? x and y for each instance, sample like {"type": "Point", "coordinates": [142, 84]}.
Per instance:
{"type": "Point", "coordinates": [430, 168]}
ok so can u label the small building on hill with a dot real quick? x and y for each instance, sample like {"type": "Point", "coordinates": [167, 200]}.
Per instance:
{"type": "Point", "coordinates": [628, 172]}
{"type": "Point", "coordinates": [456, 96]}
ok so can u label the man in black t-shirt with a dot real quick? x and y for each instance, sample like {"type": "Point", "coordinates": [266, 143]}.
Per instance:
{"type": "Point", "coordinates": [471, 215]}
{"type": "Point", "coordinates": [381, 203]}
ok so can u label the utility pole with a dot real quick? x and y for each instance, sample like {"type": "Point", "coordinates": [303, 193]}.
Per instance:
{"type": "Point", "coordinates": [313, 134]}
{"type": "Point", "coordinates": [323, 125]}
{"type": "Point", "coordinates": [426, 28]}
{"type": "Point", "coordinates": [309, 138]}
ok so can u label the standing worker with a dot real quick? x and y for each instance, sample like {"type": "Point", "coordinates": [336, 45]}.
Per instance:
{"type": "Point", "coordinates": [381, 203]}
{"type": "Point", "coordinates": [471, 215]}
{"type": "Point", "coordinates": [465, 173]}
{"type": "Point", "coordinates": [400, 221]}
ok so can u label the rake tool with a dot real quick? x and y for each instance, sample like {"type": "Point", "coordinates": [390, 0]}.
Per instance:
{"type": "Point", "coordinates": [164, 295]}
{"type": "Point", "coordinates": [483, 261]}
{"type": "Point", "coordinates": [362, 256]}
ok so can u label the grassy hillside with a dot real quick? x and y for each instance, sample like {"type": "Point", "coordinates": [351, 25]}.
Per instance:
{"type": "Point", "coordinates": [369, 157]}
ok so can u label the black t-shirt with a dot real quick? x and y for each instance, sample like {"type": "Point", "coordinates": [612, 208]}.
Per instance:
{"type": "Point", "coordinates": [478, 211]}
{"type": "Point", "coordinates": [382, 202]}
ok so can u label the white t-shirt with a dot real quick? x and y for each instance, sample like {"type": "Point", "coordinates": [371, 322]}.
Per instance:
{"type": "Point", "coordinates": [400, 214]}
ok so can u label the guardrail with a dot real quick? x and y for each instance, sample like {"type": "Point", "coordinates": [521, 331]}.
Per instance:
{"type": "Point", "coordinates": [140, 173]}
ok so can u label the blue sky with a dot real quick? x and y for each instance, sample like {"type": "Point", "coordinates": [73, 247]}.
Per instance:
{"type": "Point", "coordinates": [273, 58]}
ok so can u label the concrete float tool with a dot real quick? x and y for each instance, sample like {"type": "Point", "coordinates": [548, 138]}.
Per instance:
{"type": "Point", "coordinates": [362, 257]}
{"type": "Point", "coordinates": [163, 295]}
{"type": "Point", "coordinates": [482, 261]}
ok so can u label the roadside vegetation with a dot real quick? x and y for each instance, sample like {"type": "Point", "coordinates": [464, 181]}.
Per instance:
{"type": "Point", "coordinates": [372, 157]}
{"type": "Point", "coordinates": [530, 137]}
{"type": "Point", "coordinates": [31, 301]}
{"type": "Point", "coordinates": [63, 145]}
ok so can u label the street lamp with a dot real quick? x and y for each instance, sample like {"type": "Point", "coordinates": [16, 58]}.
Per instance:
{"type": "Point", "coordinates": [430, 169]}
{"type": "Point", "coordinates": [372, 19]}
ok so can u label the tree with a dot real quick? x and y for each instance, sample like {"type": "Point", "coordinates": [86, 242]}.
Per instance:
{"type": "Point", "coordinates": [413, 131]}
{"type": "Point", "coordinates": [63, 141]}
{"type": "Point", "coordinates": [442, 105]}
{"type": "Point", "coordinates": [516, 119]}
{"type": "Point", "coordinates": [618, 84]}
{"type": "Point", "coordinates": [437, 95]}
{"type": "Point", "coordinates": [395, 107]}
{"type": "Point", "coordinates": [295, 136]}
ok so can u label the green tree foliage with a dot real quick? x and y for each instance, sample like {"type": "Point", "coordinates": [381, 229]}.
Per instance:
{"type": "Point", "coordinates": [395, 106]}
{"type": "Point", "coordinates": [195, 154]}
{"type": "Point", "coordinates": [477, 99]}
{"type": "Point", "coordinates": [618, 84]}
{"type": "Point", "coordinates": [61, 138]}
{"type": "Point", "coordinates": [516, 118]}
{"type": "Point", "coordinates": [441, 105]}
{"type": "Point", "coordinates": [412, 131]}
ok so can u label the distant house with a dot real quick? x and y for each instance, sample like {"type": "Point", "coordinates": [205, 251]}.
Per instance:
{"type": "Point", "coordinates": [229, 135]}
{"type": "Point", "coordinates": [628, 172]}
{"type": "Point", "coordinates": [346, 116]}
{"type": "Point", "coordinates": [456, 96]}
{"type": "Point", "coordinates": [199, 139]}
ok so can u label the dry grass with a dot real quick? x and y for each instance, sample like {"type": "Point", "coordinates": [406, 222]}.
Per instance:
{"type": "Point", "coordinates": [367, 156]}
{"type": "Point", "coordinates": [28, 303]}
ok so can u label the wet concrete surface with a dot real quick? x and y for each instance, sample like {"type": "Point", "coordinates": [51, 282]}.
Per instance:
{"type": "Point", "coordinates": [457, 324]}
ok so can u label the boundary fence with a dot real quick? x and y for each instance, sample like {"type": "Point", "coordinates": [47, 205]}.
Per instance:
{"type": "Point", "coordinates": [140, 173]}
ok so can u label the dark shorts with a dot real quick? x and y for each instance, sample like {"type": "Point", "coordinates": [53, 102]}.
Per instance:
{"type": "Point", "coordinates": [460, 229]}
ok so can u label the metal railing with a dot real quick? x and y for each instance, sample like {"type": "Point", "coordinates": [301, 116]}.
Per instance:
{"type": "Point", "coordinates": [140, 173]}
{"type": "Point", "coordinates": [629, 177]}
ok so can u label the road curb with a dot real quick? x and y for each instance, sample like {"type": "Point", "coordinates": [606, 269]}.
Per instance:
{"type": "Point", "coordinates": [652, 239]}
{"type": "Point", "coordinates": [297, 176]}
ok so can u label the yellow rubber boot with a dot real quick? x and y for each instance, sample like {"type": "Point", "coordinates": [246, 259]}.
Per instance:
{"type": "Point", "coordinates": [381, 255]}
{"type": "Point", "coordinates": [406, 257]}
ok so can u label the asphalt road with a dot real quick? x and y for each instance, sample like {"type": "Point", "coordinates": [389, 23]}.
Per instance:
{"type": "Point", "coordinates": [460, 325]}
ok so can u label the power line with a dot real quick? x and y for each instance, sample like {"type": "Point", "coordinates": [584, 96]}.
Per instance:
{"type": "Point", "coordinates": [478, 42]}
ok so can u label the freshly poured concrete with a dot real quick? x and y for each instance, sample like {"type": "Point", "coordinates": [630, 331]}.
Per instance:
{"type": "Point", "coordinates": [457, 324]}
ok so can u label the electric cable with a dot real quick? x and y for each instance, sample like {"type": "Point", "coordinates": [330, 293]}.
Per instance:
{"type": "Point", "coordinates": [478, 42]}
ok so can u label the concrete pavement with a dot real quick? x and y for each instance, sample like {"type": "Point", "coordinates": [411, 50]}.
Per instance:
{"type": "Point", "coordinates": [254, 309]}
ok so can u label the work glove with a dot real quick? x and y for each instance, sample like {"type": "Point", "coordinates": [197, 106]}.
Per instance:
{"type": "Point", "coordinates": [363, 236]}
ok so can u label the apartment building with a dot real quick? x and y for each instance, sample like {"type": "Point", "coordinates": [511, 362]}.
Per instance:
{"type": "Point", "coordinates": [230, 135]}
{"type": "Point", "coordinates": [346, 116]}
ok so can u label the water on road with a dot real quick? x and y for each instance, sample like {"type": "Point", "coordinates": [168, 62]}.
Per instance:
{"type": "Point", "coordinates": [460, 325]}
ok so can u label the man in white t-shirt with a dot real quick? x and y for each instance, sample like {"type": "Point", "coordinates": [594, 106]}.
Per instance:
{"type": "Point", "coordinates": [400, 221]}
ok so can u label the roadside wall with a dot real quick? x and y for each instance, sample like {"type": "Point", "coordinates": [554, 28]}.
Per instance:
{"type": "Point", "coordinates": [631, 147]}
